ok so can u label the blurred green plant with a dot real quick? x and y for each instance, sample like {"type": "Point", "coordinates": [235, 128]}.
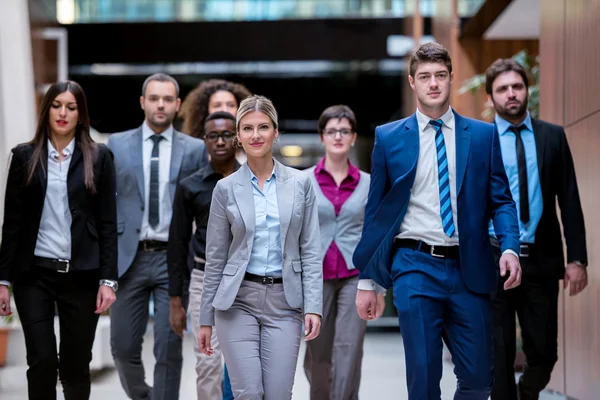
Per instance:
{"type": "Point", "coordinates": [531, 64]}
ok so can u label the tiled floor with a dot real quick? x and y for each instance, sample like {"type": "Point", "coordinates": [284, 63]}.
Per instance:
{"type": "Point", "coordinates": [383, 374]}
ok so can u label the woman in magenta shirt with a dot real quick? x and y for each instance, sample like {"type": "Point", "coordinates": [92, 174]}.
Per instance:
{"type": "Point", "coordinates": [333, 360]}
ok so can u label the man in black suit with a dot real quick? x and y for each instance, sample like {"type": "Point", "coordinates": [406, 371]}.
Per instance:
{"type": "Point", "coordinates": [540, 170]}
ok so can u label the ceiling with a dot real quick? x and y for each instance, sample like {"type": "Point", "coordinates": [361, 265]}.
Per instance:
{"type": "Point", "coordinates": [520, 20]}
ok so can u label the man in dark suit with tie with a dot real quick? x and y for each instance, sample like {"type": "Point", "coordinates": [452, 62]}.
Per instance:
{"type": "Point", "coordinates": [436, 180]}
{"type": "Point", "coordinates": [149, 162]}
{"type": "Point", "coordinates": [540, 170]}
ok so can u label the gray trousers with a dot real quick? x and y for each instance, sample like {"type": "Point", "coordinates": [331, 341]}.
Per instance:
{"type": "Point", "coordinates": [260, 339]}
{"type": "Point", "coordinates": [333, 360]}
{"type": "Point", "coordinates": [209, 369]}
{"type": "Point", "coordinates": [128, 323]}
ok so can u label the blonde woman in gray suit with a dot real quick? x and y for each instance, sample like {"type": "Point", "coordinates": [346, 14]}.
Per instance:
{"type": "Point", "coordinates": [263, 275]}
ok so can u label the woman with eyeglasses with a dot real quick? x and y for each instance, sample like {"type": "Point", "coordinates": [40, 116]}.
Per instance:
{"type": "Point", "coordinates": [332, 361]}
{"type": "Point", "coordinates": [263, 276]}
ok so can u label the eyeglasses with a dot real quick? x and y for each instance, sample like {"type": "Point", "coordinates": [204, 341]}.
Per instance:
{"type": "Point", "coordinates": [214, 136]}
{"type": "Point", "coordinates": [343, 132]}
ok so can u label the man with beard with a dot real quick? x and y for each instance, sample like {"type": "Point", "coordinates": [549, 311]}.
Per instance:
{"type": "Point", "coordinates": [149, 161]}
{"type": "Point", "coordinates": [540, 170]}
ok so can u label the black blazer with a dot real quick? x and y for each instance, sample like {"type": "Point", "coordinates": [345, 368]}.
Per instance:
{"type": "Point", "coordinates": [94, 216]}
{"type": "Point", "coordinates": [558, 182]}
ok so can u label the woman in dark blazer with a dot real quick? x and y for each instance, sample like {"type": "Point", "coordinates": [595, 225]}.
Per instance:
{"type": "Point", "coordinates": [59, 242]}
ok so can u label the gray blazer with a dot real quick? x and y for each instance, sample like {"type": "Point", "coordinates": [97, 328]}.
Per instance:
{"type": "Point", "coordinates": [188, 155]}
{"type": "Point", "coordinates": [231, 235]}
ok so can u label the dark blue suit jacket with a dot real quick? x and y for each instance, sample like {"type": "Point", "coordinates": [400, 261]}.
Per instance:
{"type": "Point", "coordinates": [483, 192]}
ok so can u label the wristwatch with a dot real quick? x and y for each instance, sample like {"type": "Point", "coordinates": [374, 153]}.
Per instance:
{"type": "Point", "coordinates": [579, 263]}
{"type": "Point", "coordinates": [111, 284]}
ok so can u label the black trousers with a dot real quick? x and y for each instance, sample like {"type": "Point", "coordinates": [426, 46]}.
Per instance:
{"type": "Point", "coordinates": [535, 303]}
{"type": "Point", "coordinates": [38, 295]}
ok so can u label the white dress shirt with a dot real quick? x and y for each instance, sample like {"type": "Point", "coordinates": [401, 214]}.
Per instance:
{"type": "Point", "coordinates": [165, 206]}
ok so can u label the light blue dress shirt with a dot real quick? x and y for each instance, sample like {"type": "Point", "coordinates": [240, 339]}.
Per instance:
{"type": "Point", "coordinates": [509, 157]}
{"type": "Point", "coordinates": [265, 259]}
{"type": "Point", "coordinates": [54, 236]}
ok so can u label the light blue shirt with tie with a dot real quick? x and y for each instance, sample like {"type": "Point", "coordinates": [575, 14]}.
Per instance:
{"type": "Point", "coordinates": [534, 190]}
{"type": "Point", "coordinates": [265, 259]}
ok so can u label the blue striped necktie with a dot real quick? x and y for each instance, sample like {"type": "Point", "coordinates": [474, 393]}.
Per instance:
{"type": "Point", "coordinates": [443, 179]}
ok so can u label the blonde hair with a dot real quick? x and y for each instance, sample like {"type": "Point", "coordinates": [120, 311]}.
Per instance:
{"type": "Point", "coordinates": [257, 103]}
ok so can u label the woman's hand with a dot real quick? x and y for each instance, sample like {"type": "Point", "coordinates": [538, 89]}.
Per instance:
{"type": "Point", "coordinates": [106, 296]}
{"type": "Point", "coordinates": [4, 301]}
{"type": "Point", "coordinates": [204, 335]}
{"type": "Point", "coordinates": [312, 326]}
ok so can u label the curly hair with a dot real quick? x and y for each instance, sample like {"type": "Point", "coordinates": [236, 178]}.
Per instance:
{"type": "Point", "coordinates": [194, 108]}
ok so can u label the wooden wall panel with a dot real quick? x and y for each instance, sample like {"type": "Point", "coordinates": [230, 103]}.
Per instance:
{"type": "Point", "coordinates": [582, 318]}
{"type": "Point", "coordinates": [582, 57]}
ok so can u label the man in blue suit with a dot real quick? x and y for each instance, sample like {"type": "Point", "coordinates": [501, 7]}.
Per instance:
{"type": "Point", "coordinates": [437, 178]}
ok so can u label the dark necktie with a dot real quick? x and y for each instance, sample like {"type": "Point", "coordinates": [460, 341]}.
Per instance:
{"type": "Point", "coordinates": [522, 164]}
{"type": "Point", "coordinates": [153, 214]}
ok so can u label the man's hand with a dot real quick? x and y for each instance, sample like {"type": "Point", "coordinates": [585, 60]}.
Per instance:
{"type": "Point", "coordinates": [312, 326]}
{"type": "Point", "coordinates": [204, 335]}
{"type": "Point", "coordinates": [366, 304]}
{"type": "Point", "coordinates": [177, 316]}
{"type": "Point", "coordinates": [509, 262]}
{"type": "Point", "coordinates": [106, 296]}
{"type": "Point", "coordinates": [4, 301]}
{"type": "Point", "coordinates": [380, 305]}
{"type": "Point", "coordinates": [576, 277]}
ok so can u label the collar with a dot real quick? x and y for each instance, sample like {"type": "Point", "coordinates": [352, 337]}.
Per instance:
{"type": "Point", "coordinates": [253, 177]}
{"type": "Point", "coordinates": [209, 170]}
{"type": "Point", "coordinates": [147, 132]}
{"type": "Point", "coordinates": [503, 124]}
{"type": "Point", "coordinates": [353, 171]}
{"type": "Point", "coordinates": [67, 151]}
{"type": "Point", "coordinates": [447, 119]}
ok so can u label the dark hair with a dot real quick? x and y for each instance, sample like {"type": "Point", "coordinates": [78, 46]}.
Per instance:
{"type": "Point", "coordinates": [83, 140]}
{"type": "Point", "coordinates": [429, 53]}
{"type": "Point", "coordinates": [160, 77]}
{"type": "Point", "coordinates": [336, 112]}
{"type": "Point", "coordinates": [501, 66]}
{"type": "Point", "coordinates": [219, 115]}
{"type": "Point", "coordinates": [194, 108]}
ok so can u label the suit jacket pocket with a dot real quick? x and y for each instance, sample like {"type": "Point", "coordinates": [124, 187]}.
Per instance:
{"type": "Point", "coordinates": [92, 230]}
{"type": "Point", "coordinates": [230, 269]}
{"type": "Point", "coordinates": [120, 228]}
{"type": "Point", "coordinates": [297, 266]}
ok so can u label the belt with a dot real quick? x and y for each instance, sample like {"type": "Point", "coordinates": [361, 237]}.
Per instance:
{"type": "Point", "coordinates": [57, 265]}
{"type": "Point", "coordinates": [199, 266]}
{"type": "Point", "coordinates": [524, 248]}
{"type": "Point", "coordinates": [265, 280]}
{"type": "Point", "coordinates": [435, 251]}
{"type": "Point", "coordinates": [152, 245]}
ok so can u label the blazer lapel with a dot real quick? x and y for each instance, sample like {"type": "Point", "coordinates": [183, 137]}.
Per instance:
{"type": "Point", "coordinates": [411, 144]}
{"type": "Point", "coordinates": [540, 145]}
{"type": "Point", "coordinates": [463, 144]}
{"type": "Point", "coordinates": [285, 199]}
{"type": "Point", "coordinates": [76, 159]}
{"type": "Point", "coordinates": [244, 198]}
{"type": "Point", "coordinates": [136, 151]}
{"type": "Point", "coordinates": [177, 151]}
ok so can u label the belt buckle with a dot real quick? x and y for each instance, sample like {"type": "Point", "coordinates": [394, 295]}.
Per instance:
{"type": "Point", "coordinates": [433, 254]}
{"type": "Point", "coordinates": [524, 250]}
{"type": "Point", "coordinates": [65, 270]}
{"type": "Point", "coordinates": [268, 280]}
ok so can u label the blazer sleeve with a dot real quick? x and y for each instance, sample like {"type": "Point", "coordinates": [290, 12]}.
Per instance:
{"type": "Point", "coordinates": [310, 252]}
{"type": "Point", "coordinates": [502, 206]}
{"type": "Point", "coordinates": [180, 233]}
{"type": "Point", "coordinates": [570, 205]}
{"type": "Point", "coordinates": [106, 216]}
{"type": "Point", "coordinates": [217, 250]}
{"type": "Point", "coordinates": [13, 212]}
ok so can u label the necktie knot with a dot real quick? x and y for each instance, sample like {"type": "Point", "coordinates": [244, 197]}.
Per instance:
{"type": "Point", "coordinates": [157, 138]}
{"type": "Point", "coordinates": [437, 123]}
{"type": "Point", "coordinates": [517, 129]}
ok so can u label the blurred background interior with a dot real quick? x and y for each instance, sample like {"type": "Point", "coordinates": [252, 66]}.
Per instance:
{"type": "Point", "coordinates": [309, 54]}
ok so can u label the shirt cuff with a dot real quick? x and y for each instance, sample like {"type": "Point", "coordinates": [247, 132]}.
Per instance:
{"type": "Point", "coordinates": [366, 284]}
{"type": "Point", "coordinates": [5, 283]}
{"type": "Point", "coordinates": [510, 251]}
